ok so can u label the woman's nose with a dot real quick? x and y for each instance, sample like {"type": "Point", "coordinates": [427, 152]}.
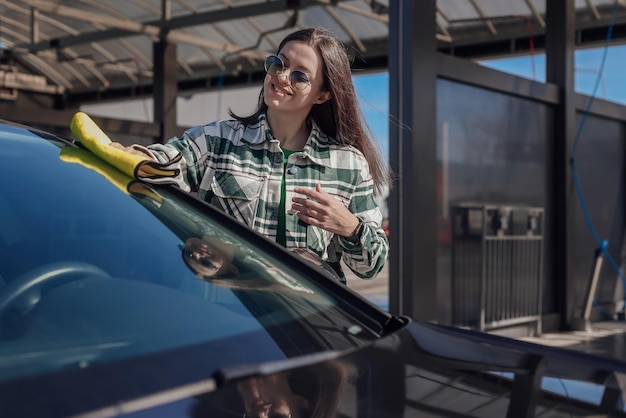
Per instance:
{"type": "Point", "coordinates": [284, 76]}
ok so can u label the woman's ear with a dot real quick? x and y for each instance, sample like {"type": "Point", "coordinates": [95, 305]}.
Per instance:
{"type": "Point", "coordinates": [323, 97]}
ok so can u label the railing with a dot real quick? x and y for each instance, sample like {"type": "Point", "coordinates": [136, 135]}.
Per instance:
{"type": "Point", "coordinates": [497, 266]}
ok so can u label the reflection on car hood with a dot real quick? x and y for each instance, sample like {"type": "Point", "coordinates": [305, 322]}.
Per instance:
{"type": "Point", "coordinates": [412, 372]}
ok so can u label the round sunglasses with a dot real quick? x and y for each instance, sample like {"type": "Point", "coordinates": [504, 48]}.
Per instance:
{"type": "Point", "coordinates": [199, 258]}
{"type": "Point", "coordinates": [298, 80]}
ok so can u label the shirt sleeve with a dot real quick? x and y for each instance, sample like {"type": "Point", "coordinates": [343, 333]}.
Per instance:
{"type": "Point", "coordinates": [193, 146]}
{"type": "Point", "coordinates": [367, 257]}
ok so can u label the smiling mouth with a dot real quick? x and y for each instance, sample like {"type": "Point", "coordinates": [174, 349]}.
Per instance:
{"type": "Point", "coordinates": [279, 90]}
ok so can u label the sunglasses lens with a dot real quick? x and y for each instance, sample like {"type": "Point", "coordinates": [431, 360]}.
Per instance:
{"type": "Point", "coordinates": [274, 65]}
{"type": "Point", "coordinates": [299, 80]}
{"type": "Point", "coordinates": [207, 263]}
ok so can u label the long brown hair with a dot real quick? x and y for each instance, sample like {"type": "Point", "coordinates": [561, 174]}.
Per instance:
{"type": "Point", "coordinates": [340, 118]}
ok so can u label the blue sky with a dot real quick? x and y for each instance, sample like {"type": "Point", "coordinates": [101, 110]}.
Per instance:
{"type": "Point", "coordinates": [374, 93]}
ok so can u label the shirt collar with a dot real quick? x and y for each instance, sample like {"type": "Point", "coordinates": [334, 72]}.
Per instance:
{"type": "Point", "coordinates": [317, 148]}
{"type": "Point", "coordinates": [258, 132]}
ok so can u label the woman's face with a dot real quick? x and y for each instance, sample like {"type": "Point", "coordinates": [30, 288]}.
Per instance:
{"type": "Point", "coordinates": [270, 396]}
{"type": "Point", "coordinates": [277, 90]}
{"type": "Point", "coordinates": [202, 257]}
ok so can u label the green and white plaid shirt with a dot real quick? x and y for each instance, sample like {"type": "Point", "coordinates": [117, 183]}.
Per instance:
{"type": "Point", "coordinates": [239, 169]}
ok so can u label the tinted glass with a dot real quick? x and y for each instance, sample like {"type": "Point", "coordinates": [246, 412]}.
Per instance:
{"type": "Point", "coordinates": [95, 266]}
{"type": "Point", "coordinates": [599, 163]}
{"type": "Point", "coordinates": [492, 154]}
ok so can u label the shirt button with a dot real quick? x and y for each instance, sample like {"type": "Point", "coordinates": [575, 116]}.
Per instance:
{"type": "Point", "coordinates": [292, 170]}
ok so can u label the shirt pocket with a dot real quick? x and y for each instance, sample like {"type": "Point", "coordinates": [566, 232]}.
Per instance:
{"type": "Point", "coordinates": [237, 195]}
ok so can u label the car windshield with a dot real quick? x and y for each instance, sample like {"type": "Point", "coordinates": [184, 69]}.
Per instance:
{"type": "Point", "coordinates": [98, 267]}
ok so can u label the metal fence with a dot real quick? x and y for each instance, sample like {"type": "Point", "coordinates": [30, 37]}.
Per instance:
{"type": "Point", "coordinates": [497, 265]}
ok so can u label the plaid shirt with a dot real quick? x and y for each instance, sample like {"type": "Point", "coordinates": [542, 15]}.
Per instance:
{"type": "Point", "coordinates": [239, 170]}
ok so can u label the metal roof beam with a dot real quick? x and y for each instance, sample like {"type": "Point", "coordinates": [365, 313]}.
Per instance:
{"type": "Point", "coordinates": [536, 13]}
{"type": "Point", "coordinates": [78, 14]}
{"type": "Point", "coordinates": [155, 27]}
{"type": "Point", "coordinates": [34, 25]}
{"type": "Point", "coordinates": [480, 12]}
{"type": "Point", "coordinates": [230, 13]}
{"type": "Point", "coordinates": [593, 9]}
{"type": "Point", "coordinates": [384, 18]}
{"type": "Point", "coordinates": [345, 27]}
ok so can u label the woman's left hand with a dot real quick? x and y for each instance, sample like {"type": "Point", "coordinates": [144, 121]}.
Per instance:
{"type": "Point", "coordinates": [321, 209]}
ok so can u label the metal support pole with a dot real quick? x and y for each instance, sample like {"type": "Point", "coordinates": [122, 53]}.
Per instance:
{"type": "Point", "coordinates": [165, 88]}
{"type": "Point", "coordinates": [413, 157]}
{"type": "Point", "coordinates": [526, 389]}
{"type": "Point", "coordinates": [583, 323]}
{"type": "Point", "coordinates": [561, 216]}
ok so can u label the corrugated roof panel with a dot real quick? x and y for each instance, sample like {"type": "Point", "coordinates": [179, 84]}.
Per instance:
{"type": "Point", "coordinates": [503, 8]}
{"type": "Point", "coordinates": [192, 55]}
{"type": "Point", "coordinates": [268, 24]}
{"type": "Point", "coordinates": [242, 34]}
{"type": "Point", "coordinates": [212, 34]}
{"type": "Point", "coordinates": [457, 10]}
{"type": "Point", "coordinates": [88, 32]}
{"type": "Point", "coordinates": [355, 18]}
{"type": "Point", "coordinates": [128, 10]}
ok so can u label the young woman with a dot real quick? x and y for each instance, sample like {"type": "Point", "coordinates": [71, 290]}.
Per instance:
{"type": "Point", "coordinates": [302, 170]}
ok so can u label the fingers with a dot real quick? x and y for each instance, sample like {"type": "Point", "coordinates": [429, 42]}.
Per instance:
{"type": "Point", "coordinates": [305, 191]}
{"type": "Point", "coordinates": [301, 202]}
{"type": "Point", "coordinates": [309, 216]}
{"type": "Point", "coordinates": [305, 210]}
{"type": "Point", "coordinates": [299, 208]}
{"type": "Point", "coordinates": [140, 150]}
{"type": "Point", "coordinates": [308, 211]}
{"type": "Point", "coordinates": [313, 205]}
{"type": "Point", "coordinates": [317, 194]}
{"type": "Point", "coordinates": [318, 208]}
{"type": "Point", "coordinates": [308, 206]}
{"type": "Point", "coordinates": [132, 149]}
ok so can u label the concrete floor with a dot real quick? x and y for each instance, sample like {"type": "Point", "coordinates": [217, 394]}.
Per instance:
{"type": "Point", "coordinates": [607, 339]}
{"type": "Point", "coordinates": [376, 290]}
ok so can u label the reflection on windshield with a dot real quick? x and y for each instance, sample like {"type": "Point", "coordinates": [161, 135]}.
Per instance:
{"type": "Point", "coordinates": [311, 391]}
{"type": "Point", "coordinates": [212, 253]}
{"type": "Point", "coordinates": [305, 392]}
{"type": "Point", "coordinates": [97, 266]}
{"type": "Point", "coordinates": [223, 264]}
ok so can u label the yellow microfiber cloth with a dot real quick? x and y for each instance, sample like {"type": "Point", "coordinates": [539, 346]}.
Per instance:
{"type": "Point", "coordinates": [137, 166]}
{"type": "Point", "coordinates": [91, 161]}
{"type": "Point", "coordinates": [122, 181]}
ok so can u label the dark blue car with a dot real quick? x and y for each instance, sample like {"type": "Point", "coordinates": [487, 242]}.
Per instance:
{"type": "Point", "coordinates": [119, 298]}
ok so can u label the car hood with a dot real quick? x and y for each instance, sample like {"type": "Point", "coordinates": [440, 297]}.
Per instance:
{"type": "Point", "coordinates": [389, 377]}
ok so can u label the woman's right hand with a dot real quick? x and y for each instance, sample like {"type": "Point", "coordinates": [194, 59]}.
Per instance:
{"type": "Point", "coordinates": [135, 149]}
